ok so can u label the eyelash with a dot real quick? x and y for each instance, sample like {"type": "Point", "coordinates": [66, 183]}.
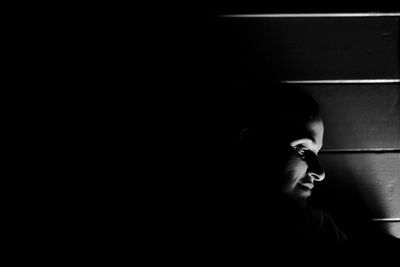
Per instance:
{"type": "Point", "coordinates": [300, 151]}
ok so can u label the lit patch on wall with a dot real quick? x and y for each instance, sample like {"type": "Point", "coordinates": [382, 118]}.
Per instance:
{"type": "Point", "coordinates": [394, 229]}
{"type": "Point", "coordinates": [391, 225]}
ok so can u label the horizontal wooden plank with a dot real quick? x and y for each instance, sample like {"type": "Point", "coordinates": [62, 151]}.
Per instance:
{"type": "Point", "coordinates": [390, 227]}
{"type": "Point", "coordinates": [393, 228]}
{"type": "Point", "coordinates": [309, 48]}
{"type": "Point", "coordinates": [360, 150]}
{"type": "Point", "coordinates": [342, 81]}
{"type": "Point", "coordinates": [250, 7]}
{"type": "Point", "coordinates": [360, 185]}
{"type": "Point", "coordinates": [359, 116]}
{"type": "Point", "coordinates": [312, 15]}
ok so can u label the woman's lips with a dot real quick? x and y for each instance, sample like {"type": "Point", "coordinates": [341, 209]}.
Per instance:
{"type": "Point", "coordinates": [308, 186]}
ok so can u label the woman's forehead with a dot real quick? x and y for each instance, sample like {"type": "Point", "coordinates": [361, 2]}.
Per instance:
{"type": "Point", "coordinates": [312, 130]}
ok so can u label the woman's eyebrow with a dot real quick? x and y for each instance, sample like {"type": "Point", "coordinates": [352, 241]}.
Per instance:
{"type": "Point", "coordinates": [308, 135]}
{"type": "Point", "coordinates": [304, 140]}
{"type": "Point", "coordinates": [307, 140]}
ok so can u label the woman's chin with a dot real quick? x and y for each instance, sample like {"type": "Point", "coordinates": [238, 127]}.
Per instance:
{"type": "Point", "coordinates": [301, 196]}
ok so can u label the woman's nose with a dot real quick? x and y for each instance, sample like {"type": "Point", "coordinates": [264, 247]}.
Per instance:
{"type": "Point", "coordinates": [316, 170]}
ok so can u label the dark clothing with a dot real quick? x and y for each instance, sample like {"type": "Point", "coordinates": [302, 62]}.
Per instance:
{"type": "Point", "coordinates": [247, 231]}
{"type": "Point", "coordinates": [306, 224]}
{"type": "Point", "coordinates": [255, 229]}
{"type": "Point", "coordinates": [283, 220]}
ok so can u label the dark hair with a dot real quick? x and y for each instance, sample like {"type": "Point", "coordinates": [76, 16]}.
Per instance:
{"type": "Point", "coordinates": [272, 109]}
{"type": "Point", "coordinates": [268, 116]}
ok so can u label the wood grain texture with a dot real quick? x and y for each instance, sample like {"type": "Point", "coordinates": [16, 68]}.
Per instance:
{"type": "Point", "coordinates": [310, 48]}
{"type": "Point", "coordinates": [365, 185]}
{"type": "Point", "coordinates": [359, 116]}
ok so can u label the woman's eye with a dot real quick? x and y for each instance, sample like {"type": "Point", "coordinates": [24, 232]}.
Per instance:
{"type": "Point", "coordinates": [300, 151]}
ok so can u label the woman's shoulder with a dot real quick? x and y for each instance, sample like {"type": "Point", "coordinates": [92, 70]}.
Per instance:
{"type": "Point", "coordinates": [328, 227]}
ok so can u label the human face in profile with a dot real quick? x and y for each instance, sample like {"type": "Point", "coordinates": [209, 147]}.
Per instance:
{"type": "Point", "coordinates": [303, 168]}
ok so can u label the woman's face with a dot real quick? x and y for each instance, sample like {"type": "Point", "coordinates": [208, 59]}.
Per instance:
{"type": "Point", "coordinates": [303, 168]}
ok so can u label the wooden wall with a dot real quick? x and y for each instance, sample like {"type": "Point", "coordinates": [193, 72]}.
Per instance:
{"type": "Point", "coordinates": [350, 64]}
